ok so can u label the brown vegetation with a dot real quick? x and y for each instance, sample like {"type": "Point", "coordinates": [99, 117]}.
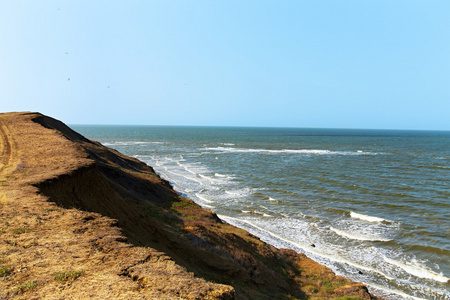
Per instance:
{"type": "Point", "coordinates": [79, 220]}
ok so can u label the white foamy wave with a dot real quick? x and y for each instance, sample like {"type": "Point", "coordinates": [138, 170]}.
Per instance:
{"type": "Point", "coordinates": [274, 200]}
{"type": "Point", "coordinates": [201, 197]}
{"type": "Point", "coordinates": [129, 143]}
{"type": "Point", "coordinates": [387, 292]}
{"type": "Point", "coordinates": [206, 177]}
{"type": "Point", "coordinates": [306, 247]}
{"type": "Point", "coordinates": [255, 212]}
{"type": "Point", "coordinates": [173, 159]}
{"type": "Point", "coordinates": [185, 176]}
{"type": "Point", "coordinates": [216, 181]}
{"type": "Point", "coordinates": [193, 171]}
{"type": "Point", "coordinates": [188, 171]}
{"type": "Point", "coordinates": [239, 193]}
{"type": "Point", "coordinates": [208, 206]}
{"type": "Point", "coordinates": [223, 176]}
{"type": "Point", "coordinates": [418, 271]}
{"type": "Point", "coordinates": [185, 167]}
{"type": "Point", "coordinates": [357, 236]}
{"type": "Point", "coordinates": [288, 151]}
{"type": "Point", "coordinates": [366, 218]}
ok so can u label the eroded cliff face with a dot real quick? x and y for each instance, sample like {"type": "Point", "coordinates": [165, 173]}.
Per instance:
{"type": "Point", "coordinates": [81, 220]}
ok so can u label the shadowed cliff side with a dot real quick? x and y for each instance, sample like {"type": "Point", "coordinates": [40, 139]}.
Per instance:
{"type": "Point", "coordinates": [81, 220]}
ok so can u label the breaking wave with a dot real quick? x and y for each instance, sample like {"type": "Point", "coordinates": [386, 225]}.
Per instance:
{"type": "Point", "coordinates": [418, 271]}
{"type": "Point", "coordinates": [355, 236]}
{"type": "Point", "coordinates": [288, 151]}
{"type": "Point", "coordinates": [366, 218]}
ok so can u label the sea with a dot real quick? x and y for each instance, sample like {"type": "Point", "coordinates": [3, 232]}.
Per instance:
{"type": "Point", "coordinates": [373, 205]}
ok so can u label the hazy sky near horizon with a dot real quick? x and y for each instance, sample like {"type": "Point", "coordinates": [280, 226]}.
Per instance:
{"type": "Point", "coordinates": [331, 64]}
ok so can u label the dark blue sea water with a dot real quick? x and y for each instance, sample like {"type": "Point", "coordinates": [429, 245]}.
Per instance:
{"type": "Point", "coordinates": [374, 205]}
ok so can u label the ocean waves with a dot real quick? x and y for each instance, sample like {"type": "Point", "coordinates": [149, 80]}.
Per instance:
{"type": "Point", "coordinates": [417, 269]}
{"type": "Point", "coordinates": [358, 236]}
{"type": "Point", "coordinates": [366, 261]}
{"type": "Point", "coordinates": [266, 213]}
{"type": "Point", "coordinates": [129, 143]}
{"type": "Point", "coordinates": [372, 208]}
{"type": "Point", "coordinates": [366, 218]}
{"type": "Point", "coordinates": [287, 151]}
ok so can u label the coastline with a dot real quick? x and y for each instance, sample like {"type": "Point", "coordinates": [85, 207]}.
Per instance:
{"type": "Point", "coordinates": [114, 220]}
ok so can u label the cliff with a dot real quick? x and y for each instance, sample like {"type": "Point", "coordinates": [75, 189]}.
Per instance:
{"type": "Point", "coordinates": [79, 220]}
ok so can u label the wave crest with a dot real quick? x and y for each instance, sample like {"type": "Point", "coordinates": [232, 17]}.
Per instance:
{"type": "Point", "coordinates": [418, 271]}
{"type": "Point", "coordinates": [288, 151]}
{"type": "Point", "coordinates": [366, 218]}
{"type": "Point", "coordinates": [354, 236]}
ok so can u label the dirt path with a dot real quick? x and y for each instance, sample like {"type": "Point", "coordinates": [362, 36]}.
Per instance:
{"type": "Point", "coordinates": [6, 146]}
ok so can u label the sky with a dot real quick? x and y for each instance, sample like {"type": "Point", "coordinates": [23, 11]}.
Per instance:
{"type": "Point", "coordinates": [378, 64]}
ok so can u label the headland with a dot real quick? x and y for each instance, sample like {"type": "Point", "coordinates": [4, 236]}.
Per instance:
{"type": "Point", "coordinates": [79, 220]}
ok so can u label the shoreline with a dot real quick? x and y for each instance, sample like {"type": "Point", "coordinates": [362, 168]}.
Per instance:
{"type": "Point", "coordinates": [178, 160]}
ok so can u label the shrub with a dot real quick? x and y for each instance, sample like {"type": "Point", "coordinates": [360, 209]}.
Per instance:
{"type": "Point", "coordinates": [311, 289]}
{"type": "Point", "coordinates": [5, 271]}
{"type": "Point", "coordinates": [27, 286]}
{"type": "Point", "coordinates": [66, 276]}
{"type": "Point", "coordinates": [19, 230]}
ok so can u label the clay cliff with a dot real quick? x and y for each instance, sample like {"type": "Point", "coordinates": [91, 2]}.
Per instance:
{"type": "Point", "coordinates": [80, 220]}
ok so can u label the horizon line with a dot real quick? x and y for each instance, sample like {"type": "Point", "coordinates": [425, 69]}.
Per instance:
{"type": "Point", "coordinates": [255, 127]}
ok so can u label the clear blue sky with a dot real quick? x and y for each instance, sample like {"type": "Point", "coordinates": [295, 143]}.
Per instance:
{"type": "Point", "coordinates": [334, 64]}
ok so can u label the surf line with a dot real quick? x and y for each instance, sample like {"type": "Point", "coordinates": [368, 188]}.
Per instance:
{"type": "Point", "coordinates": [418, 271]}
{"type": "Point", "coordinates": [366, 218]}
{"type": "Point", "coordinates": [311, 249]}
{"type": "Point", "coordinates": [352, 236]}
{"type": "Point", "coordinates": [391, 291]}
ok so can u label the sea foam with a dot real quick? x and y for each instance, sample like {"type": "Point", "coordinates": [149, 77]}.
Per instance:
{"type": "Point", "coordinates": [222, 175]}
{"type": "Point", "coordinates": [129, 143]}
{"type": "Point", "coordinates": [304, 247]}
{"type": "Point", "coordinates": [201, 197]}
{"type": "Point", "coordinates": [357, 236]}
{"type": "Point", "coordinates": [288, 151]}
{"type": "Point", "coordinates": [418, 271]}
{"type": "Point", "coordinates": [366, 218]}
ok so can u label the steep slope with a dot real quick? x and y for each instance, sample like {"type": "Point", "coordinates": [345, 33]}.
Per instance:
{"type": "Point", "coordinates": [82, 220]}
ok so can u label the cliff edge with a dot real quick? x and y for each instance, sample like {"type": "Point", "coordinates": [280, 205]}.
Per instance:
{"type": "Point", "coordinates": [80, 220]}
